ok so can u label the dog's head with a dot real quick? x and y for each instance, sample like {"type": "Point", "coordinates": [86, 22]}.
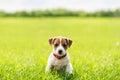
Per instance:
{"type": "Point", "coordinates": [60, 45]}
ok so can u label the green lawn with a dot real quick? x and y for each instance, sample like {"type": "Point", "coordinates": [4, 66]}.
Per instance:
{"type": "Point", "coordinates": [24, 48]}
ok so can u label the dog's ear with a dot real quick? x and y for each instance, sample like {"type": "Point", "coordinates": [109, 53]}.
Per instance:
{"type": "Point", "coordinates": [51, 40]}
{"type": "Point", "coordinates": [69, 42]}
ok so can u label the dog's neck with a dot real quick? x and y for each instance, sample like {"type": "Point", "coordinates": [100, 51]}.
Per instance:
{"type": "Point", "coordinates": [59, 57]}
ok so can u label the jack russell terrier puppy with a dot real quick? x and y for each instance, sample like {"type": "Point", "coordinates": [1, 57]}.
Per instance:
{"type": "Point", "coordinates": [59, 58]}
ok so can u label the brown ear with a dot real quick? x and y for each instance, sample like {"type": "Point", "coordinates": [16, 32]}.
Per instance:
{"type": "Point", "coordinates": [51, 41]}
{"type": "Point", "coordinates": [69, 42]}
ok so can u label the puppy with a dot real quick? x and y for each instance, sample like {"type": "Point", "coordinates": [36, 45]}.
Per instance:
{"type": "Point", "coordinates": [59, 58]}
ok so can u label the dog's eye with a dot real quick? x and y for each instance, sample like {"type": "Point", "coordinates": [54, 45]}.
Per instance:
{"type": "Point", "coordinates": [64, 45]}
{"type": "Point", "coordinates": [56, 45]}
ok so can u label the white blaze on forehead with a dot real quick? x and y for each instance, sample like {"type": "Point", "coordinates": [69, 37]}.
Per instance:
{"type": "Point", "coordinates": [60, 40]}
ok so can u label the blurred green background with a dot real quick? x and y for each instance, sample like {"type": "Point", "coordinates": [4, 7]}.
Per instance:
{"type": "Point", "coordinates": [24, 47]}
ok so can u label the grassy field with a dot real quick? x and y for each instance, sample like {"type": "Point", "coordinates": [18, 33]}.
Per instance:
{"type": "Point", "coordinates": [24, 48]}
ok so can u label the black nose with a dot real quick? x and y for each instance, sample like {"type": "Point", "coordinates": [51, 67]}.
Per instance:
{"type": "Point", "coordinates": [60, 51]}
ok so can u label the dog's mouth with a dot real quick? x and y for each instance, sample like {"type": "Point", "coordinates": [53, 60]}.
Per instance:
{"type": "Point", "coordinates": [59, 56]}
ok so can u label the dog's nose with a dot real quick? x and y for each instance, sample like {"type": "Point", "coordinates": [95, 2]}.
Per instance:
{"type": "Point", "coordinates": [60, 51]}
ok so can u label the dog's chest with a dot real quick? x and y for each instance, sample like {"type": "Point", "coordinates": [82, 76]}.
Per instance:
{"type": "Point", "coordinates": [60, 64]}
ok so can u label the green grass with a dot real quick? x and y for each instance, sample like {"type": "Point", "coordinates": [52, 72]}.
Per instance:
{"type": "Point", "coordinates": [24, 48]}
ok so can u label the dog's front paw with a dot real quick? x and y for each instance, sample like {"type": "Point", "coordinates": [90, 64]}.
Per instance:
{"type": "Point", "coordinates": [69, 69]}
{"type": "Point", "coordinates": [70, 72]}
{"type": "Point", "coordinates": [47, 70]}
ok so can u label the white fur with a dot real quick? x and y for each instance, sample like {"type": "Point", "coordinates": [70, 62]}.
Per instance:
{"type": "Point", "coordinates": [59, 63]}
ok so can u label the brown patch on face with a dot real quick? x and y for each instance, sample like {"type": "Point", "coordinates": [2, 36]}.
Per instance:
{"type": "Point", "coordinates": [64, 43]}
{"type": "Point", "coordinates": [56, 43]}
